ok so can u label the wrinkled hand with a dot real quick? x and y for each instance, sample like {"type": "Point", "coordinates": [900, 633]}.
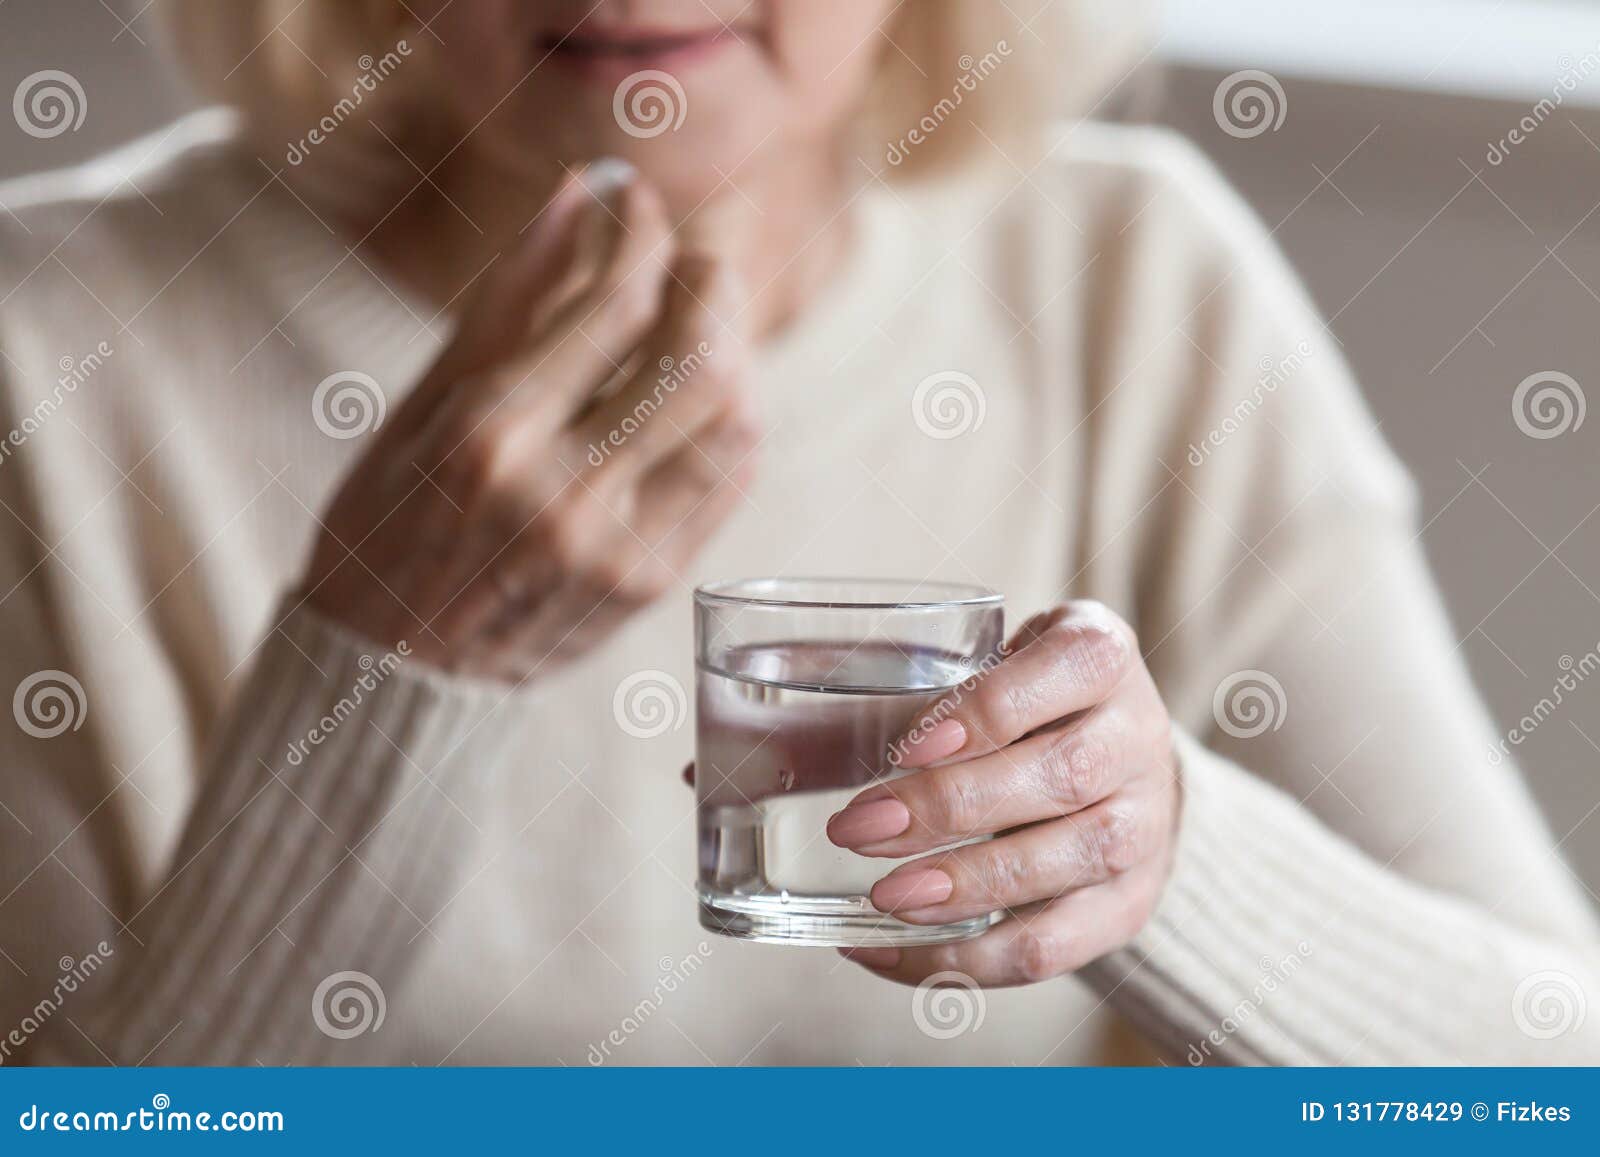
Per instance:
{"type": "Point", "coordinates": [1063, 751]}
{"type": "Point", "coordinates": [513, 512]}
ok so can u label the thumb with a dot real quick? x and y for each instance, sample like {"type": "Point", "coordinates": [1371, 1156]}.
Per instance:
{"type": "Point", "coordinates": [522, 284]}
{"type": "Point", "coordinates": [529, 283]}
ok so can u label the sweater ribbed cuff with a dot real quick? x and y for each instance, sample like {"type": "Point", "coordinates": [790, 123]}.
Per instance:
{"type": "Point", "coordinates": [1183, 978]}
{"type": "Point", "coordinates": [338, 807]}
{"type": "Point", "coordinates": [1277, 941]}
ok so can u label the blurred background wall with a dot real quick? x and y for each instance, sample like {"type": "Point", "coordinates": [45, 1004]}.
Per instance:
{"type": "Point", "coordinates": [1452, 268]}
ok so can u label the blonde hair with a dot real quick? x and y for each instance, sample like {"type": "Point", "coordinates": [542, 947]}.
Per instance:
{"type": "Point", "coordinates": [955, 75]}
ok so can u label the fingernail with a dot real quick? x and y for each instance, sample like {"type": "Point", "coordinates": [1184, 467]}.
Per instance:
{"type": "Point", "coordinates": [872, 957]}
{"type": "Point", "coordinates": [605, 180]}
{"type": "Point", "coordinates": [861, 824]}
{"type": "Point", "coordinates": [911, 888]}
{"type": "Point", "coordinates": [607, 177]}
{"type": "Point", "coordinates": [921, 748]}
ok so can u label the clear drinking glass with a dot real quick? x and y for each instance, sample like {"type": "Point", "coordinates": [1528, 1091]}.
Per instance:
{"type": "Point", "coordinates": [801, 686]}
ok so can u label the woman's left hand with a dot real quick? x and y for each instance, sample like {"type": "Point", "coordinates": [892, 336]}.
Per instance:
{"type": "Point", "coordinates": [1063, 751]}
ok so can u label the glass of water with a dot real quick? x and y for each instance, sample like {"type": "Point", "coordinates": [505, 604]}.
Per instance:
{"type": "Point", "coordinates": [801, 687]}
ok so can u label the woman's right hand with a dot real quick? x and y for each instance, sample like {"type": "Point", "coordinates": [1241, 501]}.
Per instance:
{"type": "Point", "coordinates": [507, 518]}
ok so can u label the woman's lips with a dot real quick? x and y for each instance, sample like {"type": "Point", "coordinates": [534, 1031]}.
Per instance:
{"type": "Point", "coordinates": [616, 53]}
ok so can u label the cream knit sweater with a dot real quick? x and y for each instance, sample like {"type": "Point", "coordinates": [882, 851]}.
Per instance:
{"type": "Point", "coordinates": [236, 805]}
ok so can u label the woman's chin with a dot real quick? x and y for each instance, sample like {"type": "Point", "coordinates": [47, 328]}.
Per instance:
{"type": "Point", "coordinates": [688, 173]}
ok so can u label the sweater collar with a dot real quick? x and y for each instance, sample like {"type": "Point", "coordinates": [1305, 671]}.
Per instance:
{"type": "Point", "coordinates": [339, 302]}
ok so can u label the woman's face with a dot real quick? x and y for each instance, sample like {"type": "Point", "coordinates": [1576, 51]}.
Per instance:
{"type": "Point", "coordinates": [690, 91]}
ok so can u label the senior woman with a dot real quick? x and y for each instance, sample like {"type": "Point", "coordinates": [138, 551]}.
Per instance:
{"type": "Point", "coordinates": [323, 567]}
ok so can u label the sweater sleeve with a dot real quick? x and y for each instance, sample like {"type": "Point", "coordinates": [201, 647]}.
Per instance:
{"type": "Point", "coordinates": [330, 827]}
{"type": "Point", "coordinates": [328, 820]}
{"type": "Point", "coordinates": [1280, 942]}
{"type": "Point", "coordinates": [1362, 874]}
